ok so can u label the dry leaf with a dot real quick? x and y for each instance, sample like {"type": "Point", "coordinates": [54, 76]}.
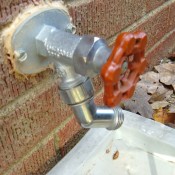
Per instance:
{"type": "Point", "coordinates": [153, 89]}
{"type": "Point", "coordinates": [161, 115]}
{"type": "Point", "coordinates": [170, 95]}
{"type": "Point", "coordinates": [167, 73]}
{"type": "Point", "coordinates": [161, 94]}
{"type": "Point", "coordinates": [149, 82]}
{"type": "Point", "coordinates": [139, 103]}
{"type": "Point", "coordinates": [165, 60]}
{"type": "Point", "coordinates": [148, 87]}
{"type": "Point", "coordinates": [161, 97]}
{"type": "Point", "coordinates": [150, 77]}
{"type": "Point", "coordinates": [171, 109]}
{"type": "Point", "coordinates": [159, 104]}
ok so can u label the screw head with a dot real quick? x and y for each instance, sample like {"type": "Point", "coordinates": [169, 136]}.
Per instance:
{"type": "Point", "coordinates": [20, 55]}
{"type": "Point", "coordinates": [71, 28]}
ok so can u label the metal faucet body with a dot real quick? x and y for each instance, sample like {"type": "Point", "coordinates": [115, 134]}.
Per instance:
{"type": "Point", "coordinates": [76, 59]}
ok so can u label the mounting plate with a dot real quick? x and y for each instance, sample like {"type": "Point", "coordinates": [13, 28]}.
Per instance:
{"type": "Point", "coordinates": [27, 61]}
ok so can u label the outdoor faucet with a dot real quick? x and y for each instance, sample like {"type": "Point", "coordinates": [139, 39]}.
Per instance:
{"type": "Point", "coordinates": [48, 38]}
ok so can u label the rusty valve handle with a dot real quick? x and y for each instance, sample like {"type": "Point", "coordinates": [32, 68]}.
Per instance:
{"type": "Point", "coordinates": [118, 86]}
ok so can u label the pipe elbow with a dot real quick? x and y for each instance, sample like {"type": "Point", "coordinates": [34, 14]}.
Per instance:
{"type": "Point", "coordinates": [91, 116]}
{"type": "Point", "coordinates": [80, 98]}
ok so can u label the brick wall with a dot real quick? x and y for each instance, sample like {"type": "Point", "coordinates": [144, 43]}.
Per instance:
{"type": "Point", "coordinates": [36, 128]}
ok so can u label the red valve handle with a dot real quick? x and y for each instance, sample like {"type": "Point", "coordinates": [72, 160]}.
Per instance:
{"type": "Point", "coordinates": [129, 47]}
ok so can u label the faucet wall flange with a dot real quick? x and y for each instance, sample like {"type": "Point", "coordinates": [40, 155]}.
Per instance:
{"type": "Point", "coordinates": [25, 38]}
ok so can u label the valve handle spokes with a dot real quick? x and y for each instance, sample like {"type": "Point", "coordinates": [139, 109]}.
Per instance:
{"type": "Point", "coordinates": [119, 85]}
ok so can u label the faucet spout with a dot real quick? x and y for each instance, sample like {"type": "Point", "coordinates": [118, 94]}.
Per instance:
{"type": "Point", "coordinates": [91, 116]}
{"type": "Point", "coordinates": [80, 98]}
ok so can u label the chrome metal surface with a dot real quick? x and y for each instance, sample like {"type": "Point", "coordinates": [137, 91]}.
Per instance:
{"type": "Point", "coordinates": [77, 94]}
{"type": "Point", "coordinates": [90, 55]}
{"type": "Point", "coordinates": [87, 54]}
{"type": "Point", "coordinates": [91, 116]}
{"type": "Point", "coordinates": [68, 78]}
{"type": "Point", "coordinates": [24, 38]}
{"type": "Point", "coordinates": [57, 44]}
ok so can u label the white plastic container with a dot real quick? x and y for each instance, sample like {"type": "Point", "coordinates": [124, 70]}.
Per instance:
{"type": "Point", "coordinates": [145, 148]}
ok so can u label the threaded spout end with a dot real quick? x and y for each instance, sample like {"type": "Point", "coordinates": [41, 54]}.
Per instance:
{"type": "Point", "coordinates": [118, 118]}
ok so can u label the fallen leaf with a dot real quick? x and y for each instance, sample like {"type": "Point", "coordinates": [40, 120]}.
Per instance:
{"type": "Point", "coordinates": [171, 109]}
{"type": "Point", "coordinates": [165, 60]}
{"type": "Point", "coordinates": [161, 115]}
{"type": "Point", "coordinates": [153, 89]}
{"type": "Point", "coordinates": [148, 87]}
{"type": "Point", "coordinates": [149, 82]}
{"type": "Point", "coordinates": [139, 103]}
{"type": "Point", "coordinates": [167, 73]}
{"type": "Point", "coordinates": [161, 94]}
{"type": "Point", "coordinates": [159, 104]}
{"type": "Point", "coordinates": [170, 95]}
{"type": "Point", "coordinates": [150, 77]}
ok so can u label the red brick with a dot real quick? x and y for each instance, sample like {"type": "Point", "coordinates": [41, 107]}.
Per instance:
{"type": "Point", "coordinates": [71, 128]}
{"type": "Point", "coordinates": [155, 26]}
{"type": "Point", "coordinates": [11, 8]}
{"type": "Point", "coordinates": [42, 159]}
{"type": "Point", "coordinates": [67, 133]}
{"type": "Point", "coordinates": [27, 124]}
{"type": "Point", "coordinates": [99, 99]}
{"type": "Point", "coordinates": [12, 87]}
{"type": "Point", "coordinates": [172, 16]}
{"type": "Point", "coordinates": [105, 18]}
{"type": "Point", "coordinates": [97, 83]}
{"type": "Point", "coordinates": [18, 170]}
{"type": "Point", "coordinates": [38, 162]}
{"type": "Point", "coordinates": [6, 150]}
{"type": "Point", "coordinates": [30, 122]}
{"type": "Point", "coordinates": [163, 49]}
{"type": "Point", "coordinates": [153, 4]}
